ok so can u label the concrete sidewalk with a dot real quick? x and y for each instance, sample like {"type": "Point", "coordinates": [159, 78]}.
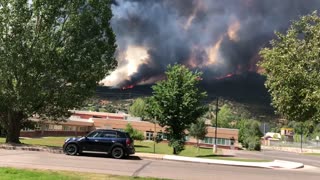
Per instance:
{"type": "Point", "coordinates": [271, 165]}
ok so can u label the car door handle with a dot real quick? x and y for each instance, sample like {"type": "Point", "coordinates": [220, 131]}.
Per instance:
{"type": "Point", "coordinates": [96, 140]}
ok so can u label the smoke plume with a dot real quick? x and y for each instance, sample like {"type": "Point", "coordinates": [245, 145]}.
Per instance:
{"type": "Point", "coordinates": [218, 37]}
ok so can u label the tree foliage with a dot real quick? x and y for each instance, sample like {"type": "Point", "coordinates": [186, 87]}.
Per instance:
{"type": "Point", "coordinates": [198, 130]}
{"type": "Point", "coordinates": [250, 134]}
{"type": "Point", "coordinates": [292, 67]}
{"type": "Point", "coordinates": [225, 117]}
{"type": "Point", "coordinates": [138, 108]}
{"type": "Point", "coordinates": [52, 56]}
{"type": "Point", "coordinates": [134, 133]}
{"type": "Point", "coordinates": [176, 102]}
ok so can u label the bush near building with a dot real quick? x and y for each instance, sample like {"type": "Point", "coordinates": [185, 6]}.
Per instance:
{"type": "Point", "coordinates": [134, 133]}
{"type": "Point", "coordinates": [249, 134]}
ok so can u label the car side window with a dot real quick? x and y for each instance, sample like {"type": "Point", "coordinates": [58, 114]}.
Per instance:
{"type": "Point", "coordinates": [121, 135]}
{"type": "Point", "coordinates": [94, 134]}
{"type": "Point", "coordinates": [108, 134]}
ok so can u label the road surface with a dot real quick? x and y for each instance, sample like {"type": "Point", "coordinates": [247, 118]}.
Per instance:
{"type": "Point", "coordinates": [147, 168]}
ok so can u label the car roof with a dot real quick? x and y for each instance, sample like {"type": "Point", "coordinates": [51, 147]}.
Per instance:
{"type": "Point", "coordinates": [109, 130]}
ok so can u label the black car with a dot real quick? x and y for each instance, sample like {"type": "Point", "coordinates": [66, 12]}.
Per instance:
{"type": "Point", "coordinates": [116, 143]}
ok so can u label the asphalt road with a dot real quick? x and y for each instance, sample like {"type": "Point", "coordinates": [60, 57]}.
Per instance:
{"type": "Point", "coordinates": [147, 167]}
{"type": "Point", "coordinates": [282, 155]}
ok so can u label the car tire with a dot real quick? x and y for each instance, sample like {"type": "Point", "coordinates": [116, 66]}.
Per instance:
{"type": "Point", "coordinates": [71, 149]}
{"type": "Point", "coordinates": [117, 153]}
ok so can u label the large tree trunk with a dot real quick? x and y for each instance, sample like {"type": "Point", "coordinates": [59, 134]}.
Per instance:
{"type": "Point", "coordinates": [174, 151]}
{"type": "Point", "coordinates": [14, 127]}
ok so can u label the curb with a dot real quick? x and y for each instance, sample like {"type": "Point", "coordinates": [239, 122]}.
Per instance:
{"type": "Point", "coordinates": [150, 156]}
{"type": "Point", "coordinates": [276, 164]}
{"type": "Point", "coordinates": [26, 148]}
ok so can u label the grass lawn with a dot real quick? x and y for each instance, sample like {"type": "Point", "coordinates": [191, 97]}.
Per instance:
{"type": "Point", "coordinates": [312, 154]}
{"type": "Point", "coordinates": [163, 148]}
{"type": "Point", "coordinates": [45, 141]}
{"type": "Point", "coordinates": [11, 173]}
{"type": "Point", "coordinates": [143, 147]}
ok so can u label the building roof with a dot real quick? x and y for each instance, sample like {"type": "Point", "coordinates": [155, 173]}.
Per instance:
{"type": "Point", "coordinates": [93, 113]}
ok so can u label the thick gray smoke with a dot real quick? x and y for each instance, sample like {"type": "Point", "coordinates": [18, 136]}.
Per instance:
{"type": "Point", "coordinates": [218, 37]}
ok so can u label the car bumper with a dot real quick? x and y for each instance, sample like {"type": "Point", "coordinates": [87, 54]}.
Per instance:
{"type": "Point", "coordinates": [130, 150]}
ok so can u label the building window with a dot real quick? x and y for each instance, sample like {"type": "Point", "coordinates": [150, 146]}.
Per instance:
{"type": "Point", "coordinates": [186, 138]}
{"type": "Point", "coordinates": [51, 127]}
{"type": "Point", "coordinates": [69, 128]}
{"type": "Point", "coordinates": [208, 140]}
{"type": "Point", "coordinates": [149, 135]}
{"type": "Point", "coordinates": [37, 127]}
{"type": "Point", "coordinates": [57, 127]}
{"type": "Point", "coordinates": [220, 141]}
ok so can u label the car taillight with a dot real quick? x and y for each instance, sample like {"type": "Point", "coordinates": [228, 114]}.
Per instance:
{"type": "Point", "coordinates": [128, 141]}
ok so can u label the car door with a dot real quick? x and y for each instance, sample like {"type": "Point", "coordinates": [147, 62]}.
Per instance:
{"type": "Point", "coordinates": [106, 140]}
{"type": "Point", "coordinates": [90, 142]}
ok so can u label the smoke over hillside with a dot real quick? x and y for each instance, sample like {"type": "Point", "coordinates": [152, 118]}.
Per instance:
{"type": "Point", "coordinates": [218, 37]}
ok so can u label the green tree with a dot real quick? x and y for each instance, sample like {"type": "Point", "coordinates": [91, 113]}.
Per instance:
{"type": "Point", "coordinates": [292, 69]}
{"type": "Point", "coordinates": [225, 117]}
{"type": "Point", "coordinates": [316, 131]}
{"type": "Point", "coordinates": [138, 108]}
{"type": "Point", "coordinates": [307, 128]}
{"type": "Point", "coordinates": [211, 109]}
{"type": "Point", "coordinates": [134, 133]}
{"type": "Point", "coordinates": [176, 102]}
{"type": "Point", "coordinates": [53, 55]}
{"type": "Point", "coordinates": [198, 130]}
{"type": "Point", "coordinates": [250, 134]}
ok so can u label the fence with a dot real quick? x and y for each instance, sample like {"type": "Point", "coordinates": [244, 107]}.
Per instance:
{"type": "Point", "coordinates": [305, 144]}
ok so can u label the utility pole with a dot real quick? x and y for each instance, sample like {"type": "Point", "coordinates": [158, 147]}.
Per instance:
{"type": "Point", "coordinates": [155, 134]}
{"type": "Point", "coordinates": [216, 128]}
{"type": "Point", "coordinates": [301, 138]}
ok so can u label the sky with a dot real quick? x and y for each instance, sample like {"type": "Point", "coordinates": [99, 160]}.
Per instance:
{"type": "Point", "coordinates": [221, 38]}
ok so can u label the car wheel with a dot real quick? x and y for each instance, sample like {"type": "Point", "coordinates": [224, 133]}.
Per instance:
{"type": "Point", "coordinates": [117, 153]}
{"type": "Point", "coordinates": [71, 149]}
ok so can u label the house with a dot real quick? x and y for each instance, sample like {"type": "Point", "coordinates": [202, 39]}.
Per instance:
{"type": "Point", "coordinates": [287, 133]}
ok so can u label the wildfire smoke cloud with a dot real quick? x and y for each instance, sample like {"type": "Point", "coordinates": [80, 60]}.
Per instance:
{"type": "Point", "coordinates": [216, 36]}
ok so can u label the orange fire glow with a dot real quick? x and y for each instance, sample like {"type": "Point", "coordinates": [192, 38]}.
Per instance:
{"type": "Point", "coordinates": [224, 77]}
{"type": "Point", "coordinates": [127, 87]}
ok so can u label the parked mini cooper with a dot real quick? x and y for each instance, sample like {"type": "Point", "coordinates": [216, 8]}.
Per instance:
{"type": "Point", "coordinates": [118, 144]}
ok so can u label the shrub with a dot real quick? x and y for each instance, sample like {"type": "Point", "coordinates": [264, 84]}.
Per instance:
{"type": "Point", "coordinates": [249, 134]}
{"type": "Point", "coordinates": [137, 135]}
{"type": "Point", "coordinates": [253, 143]}
{"type": "Point", "coordinates": [134, 133]}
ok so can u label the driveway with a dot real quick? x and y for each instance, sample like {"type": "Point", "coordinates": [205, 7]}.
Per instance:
{"type": "Point", "coordinates": [146, 167]}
